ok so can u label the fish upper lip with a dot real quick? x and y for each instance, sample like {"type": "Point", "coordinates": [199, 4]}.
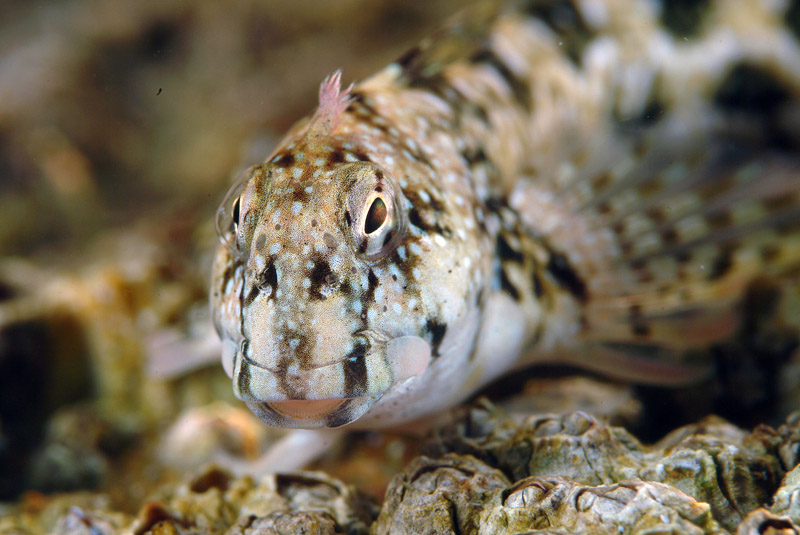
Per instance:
{"type": "Point", "coordinates": [374, 336]}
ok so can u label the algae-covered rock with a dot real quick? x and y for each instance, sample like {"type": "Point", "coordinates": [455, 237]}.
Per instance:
{"type": "Point", "coordinates": [714, 462]}
{"type": "Point", "coordinates": [787, 499]}
{"type": "Point", "coordinates": [459, 494]}
{"type": "Point", "coordinates": [446, 495]}
{"type": "Point", "coordinates": [215, 502]}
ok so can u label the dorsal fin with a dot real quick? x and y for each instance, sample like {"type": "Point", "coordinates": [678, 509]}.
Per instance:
{"type": "Point", "coordinates": [459, 38]}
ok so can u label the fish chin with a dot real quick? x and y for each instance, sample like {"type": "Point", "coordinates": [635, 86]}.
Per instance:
{"type": "Point", "coordinates": [312, 414]}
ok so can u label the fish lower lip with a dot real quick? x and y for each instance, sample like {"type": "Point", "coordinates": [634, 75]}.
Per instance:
{"type": "Point", "coordinates": [311, 413]}
{"type": "Point", "coordinates": [304, 409]}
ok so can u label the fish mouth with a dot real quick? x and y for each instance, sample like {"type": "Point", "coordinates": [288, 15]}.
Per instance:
{"type": "Point", "coordinates": [328, 395]}
{"type": "Point", "coordinates": [311, 413]}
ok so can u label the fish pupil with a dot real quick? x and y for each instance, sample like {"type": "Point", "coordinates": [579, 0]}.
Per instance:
{"type": "Point", "coordinates": [376, 216]}
{"type": "Point", "coordinates": [236, 211]}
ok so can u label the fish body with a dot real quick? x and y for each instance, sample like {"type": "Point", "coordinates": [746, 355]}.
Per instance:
{"type": "Point", "coordinates": [573, 181]}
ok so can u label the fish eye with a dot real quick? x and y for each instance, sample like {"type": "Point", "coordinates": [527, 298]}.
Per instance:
{"type": "Point", "coordinates": [230, 214]}
{"type": "Point", "coordinates": [376, 216]}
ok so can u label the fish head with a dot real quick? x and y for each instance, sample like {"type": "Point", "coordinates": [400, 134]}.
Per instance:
{"type": "Point", "coordinates": [318, 288]}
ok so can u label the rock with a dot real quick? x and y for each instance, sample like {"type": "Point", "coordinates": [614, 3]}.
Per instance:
{"type": "Point", "coordinates": [215, 502]}
{"type": "Point", "coordinates": [446, 495]}
{"type": "Point", "coordinates": [459, 494]}
{"type": "Point", "coordinates": [734, 472]}
{"type": "Point", "coordinates": [787, 499]}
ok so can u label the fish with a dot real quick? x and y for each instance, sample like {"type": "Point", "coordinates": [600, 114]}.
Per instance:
{"type": "Point", "coordinates": [610, 184]}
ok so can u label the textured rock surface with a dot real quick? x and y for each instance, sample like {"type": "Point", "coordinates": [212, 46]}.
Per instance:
{"type": "Point", "coordinates": [450, 495]}
{"type": "Point", "coordinates": [487, 474]}
{"type": "Point", "coordinates": [215, 502]}
{"type": "Point", "coordinates": [714, 462]}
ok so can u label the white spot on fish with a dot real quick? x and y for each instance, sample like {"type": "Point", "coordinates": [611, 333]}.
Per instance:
{"type": "Point", "coordinates": [274, 248]}
{"type": "Point", "coordinates": [416, 273]}
{"type": "Point", "coordinates": [308, 189]}
{"type": "Point", "coordinates": [296, 172]}
{"type": "Point", "coordinates": [306, 282]}
{"type": "Point", "coordinates": [296, 207]}
{"type": "Point", "coordinates": [401, 252]}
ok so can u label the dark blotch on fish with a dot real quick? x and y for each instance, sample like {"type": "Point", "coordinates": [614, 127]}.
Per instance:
{"type": "Point", "coordinates": [437, 331]}
{"type": "Point", "coordinates": [721, 265]}
{"type": "Point", "coordinates": [261, 241]}
{"type": "Point", "coordinates": [639, 326]}
{"type": "Point", "coordinates": [752, 90]}
{"type": "Point", "coordinates": [566, 21]}
{"type": "Point", "coordinates": [321, 275]}
{"type": "Point", "coordinates": [355, 372]}
{"type": "Point", "coordinates": [507, 286]}
{"type": "Point", "coordinates": [506, 252]}
{"type": "Point", "coordinates": [286, 159]}
{"type": "Point", "coordinates": [519, 87]}
{"type": "Point", "coordinates": [684, 18]}
{"type": "Point", "coordinates": [560, 269]}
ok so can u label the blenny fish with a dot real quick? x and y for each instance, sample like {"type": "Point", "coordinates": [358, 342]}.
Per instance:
{"type": "Point", "coordinates": [597, 182]}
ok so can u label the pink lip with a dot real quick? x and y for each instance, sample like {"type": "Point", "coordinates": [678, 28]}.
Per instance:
{"type": "Point", "coordinates": [306, 409]}
{"type": "Point", "coordinates": [310, 414]}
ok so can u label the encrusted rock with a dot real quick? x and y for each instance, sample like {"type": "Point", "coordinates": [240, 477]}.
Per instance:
{"type": "Point", "coordinates": [787, 499]}
{"type": "Point", "coordinates": [214, 502]}
{"type": "Point", "coordinates": [446, 495]}
{"type": "Point", "coordinates": [459, 494]}
{"type": "Point", "coordinates": [734, 472]}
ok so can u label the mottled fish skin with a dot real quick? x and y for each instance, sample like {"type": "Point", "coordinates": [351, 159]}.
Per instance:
{"type": "Point", "coordinates": [598, 182]}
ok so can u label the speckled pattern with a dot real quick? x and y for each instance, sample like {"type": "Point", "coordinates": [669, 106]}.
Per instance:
{"type": "Point", "coordinates": [597, 182]}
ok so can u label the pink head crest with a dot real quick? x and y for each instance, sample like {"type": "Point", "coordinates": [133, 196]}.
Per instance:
{"type": "Point", "coordinates": [332, 103]}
